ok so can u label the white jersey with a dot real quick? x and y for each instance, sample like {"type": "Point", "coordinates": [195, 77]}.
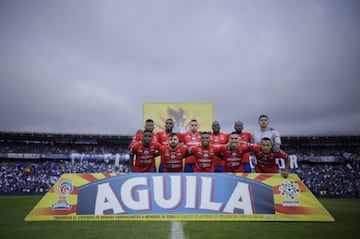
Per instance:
{"type": "Point", "coordinates": [272, 134]}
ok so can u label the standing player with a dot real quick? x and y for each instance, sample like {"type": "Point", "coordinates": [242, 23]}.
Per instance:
{"type": "Point", "coordinates": [204, 154]}
{"type": "Point", "coordinates": [173, 154]}
{"type": "Point", "coordinates": [244, 137]}
{"type": "Point", "coordinates": [149, 125]}
{"type": "Point", "coordinates": [144, 153]}
{"type": "Point", "coordinates": [218, 138]}
{"type": "Point", "coordinates": [191, 138]}
{"type": "Point", "coordinates": [266, 158]}
{"type": "Point", "coordinates": [265, 131]}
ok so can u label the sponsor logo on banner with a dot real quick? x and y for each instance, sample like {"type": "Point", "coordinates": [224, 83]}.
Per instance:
{"type": "Point", "coordinates": [62, 189]}
{"type": "Point", "coordinates": [290, 191]}
{"type": "Point", "coordinates": [176, 193]}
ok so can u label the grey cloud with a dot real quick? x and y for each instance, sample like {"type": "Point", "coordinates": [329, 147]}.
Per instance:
{"type": "Point", "coordinates": [87, 66]}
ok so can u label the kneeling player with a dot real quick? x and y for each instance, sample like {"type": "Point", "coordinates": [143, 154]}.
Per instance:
{"type": "Point", "coordinates": [266, 158]}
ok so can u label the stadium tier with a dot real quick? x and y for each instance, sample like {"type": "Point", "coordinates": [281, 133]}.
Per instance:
{"type": "Point", "coordinates": [32, 162]}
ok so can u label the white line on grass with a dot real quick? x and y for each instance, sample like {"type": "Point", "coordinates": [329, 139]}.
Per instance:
{"type": "Point", "coordinates": [176, 230]}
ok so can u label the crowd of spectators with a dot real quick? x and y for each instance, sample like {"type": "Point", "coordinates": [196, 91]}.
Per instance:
{"type": "Point", "coordinates": [39, 175]}
{"type": "Point", "coordinates": [323, 179]}
{"type": "Point", "coordinates": [56, 148]}
{"type": "Point", "coordinates": [331, 180]}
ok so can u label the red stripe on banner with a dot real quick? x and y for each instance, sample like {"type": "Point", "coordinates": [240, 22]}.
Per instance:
{"type": "Point", "coordinates": [296, 210]}
{"type": "Point", "coordinates": [263, 177]}
{"type": "Point", "coordinates": [89, 177]}
{"type": "Point", "coordinates": [74, 191]}
{"type": "Point", "coordinates": [107, 175]}
{"type": "Point", "coordinates": [50, 211]}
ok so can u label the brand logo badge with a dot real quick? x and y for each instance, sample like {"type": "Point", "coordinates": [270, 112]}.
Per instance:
{"type": "Point", "coordinates": [63, 188]}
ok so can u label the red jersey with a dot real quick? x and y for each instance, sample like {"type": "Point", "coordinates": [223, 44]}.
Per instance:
{"type": "Point", "coordinates": [138, 137]}
{"type": "Point", "coordinates": [233, 158]}
{"type": "Point", "coordinates": [191, 140]}
{"type": "Point", "coordinates": [266, 162]}
{"type": "Point", "coordinates": [163, 137]}
{"type": "Point", "coordinates": [245, 137]}
{"type": "Point", "coordinates": [204, 158]}
{"type": "Point", "coordinates": [173, 158]}
{"type": "Point", "coordinates": [145, 156]}
{"type": "Point", "coordinates": [219, 139]}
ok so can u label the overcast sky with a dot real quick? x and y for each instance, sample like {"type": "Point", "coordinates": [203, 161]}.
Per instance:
{"type": "Point", "coordinates": [88, 66]}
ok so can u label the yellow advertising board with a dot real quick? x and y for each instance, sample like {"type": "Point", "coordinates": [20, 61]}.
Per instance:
{"type": "Point", "coordinates": [179, 196]}
{"type": "Point", "coordinates": [181, 113]}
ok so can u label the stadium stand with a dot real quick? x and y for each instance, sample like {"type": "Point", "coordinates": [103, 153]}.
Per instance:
{"type": "Point", "coordinates": [32, 162]}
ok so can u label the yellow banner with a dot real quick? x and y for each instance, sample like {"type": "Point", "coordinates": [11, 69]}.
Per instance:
{"type": "Point", "coordinates": [179, 196]}
{"type": "Point", "coordinates": [181, 113]}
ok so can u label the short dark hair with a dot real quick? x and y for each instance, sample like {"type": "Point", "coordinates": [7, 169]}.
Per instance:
{"type": "Point", "coordinates": [266, 138]}
{"type": "Point", "coordinates": [262, 116]}
{"type": "Point", "coordinates": [148, 131]}
{"type": "Point", "coordinates": [172, 134]}
{"type": "Point", "coordinates": [169, 119]}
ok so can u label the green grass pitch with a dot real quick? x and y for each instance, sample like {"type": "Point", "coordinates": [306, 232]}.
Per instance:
{"type": "Point", "coordinates": [13, 210]}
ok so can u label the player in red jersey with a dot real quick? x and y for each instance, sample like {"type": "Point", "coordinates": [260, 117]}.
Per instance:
{"type": "Point", "coordinates": [163, 137]}
{"type": "Point", "coordinates": [173, 154]}
{"type": "Point", "coordinates": [149, 125]}
{"type": "Point", "coordinates": [218, 138]}
{"type": "Point", "coordinates": [268, 132]}
{"type": "Point", "coordinates": [244, 137]}
{"type": "Point", "coordinates": [233, 154]}
{"type": "Point", "coordinates": [191, 138]}
{"type": "Point", "coordinates": [144, 153]}
{"type": "Point", "coordinates": [266, 158]}
{"type": "Point", "coordinates": [204, 154]}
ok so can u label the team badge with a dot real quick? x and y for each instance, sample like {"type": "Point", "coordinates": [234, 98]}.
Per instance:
{"type": "Point", "coordinates": [63, 188]}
